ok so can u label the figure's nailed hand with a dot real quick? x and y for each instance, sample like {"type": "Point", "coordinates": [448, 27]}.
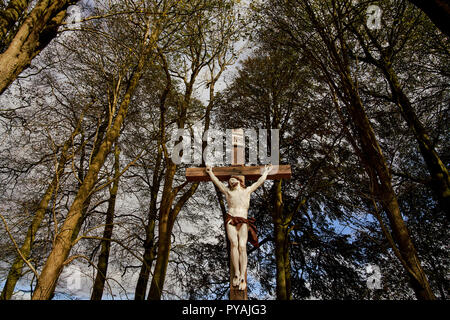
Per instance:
{"type": "Point", "coordinates": [268, 168]}
{"type": "Point", "coordinates": [208, 169]}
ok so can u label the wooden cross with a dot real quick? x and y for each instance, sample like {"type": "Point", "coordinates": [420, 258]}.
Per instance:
{"type": "Point", "coordinates": [238, 168]}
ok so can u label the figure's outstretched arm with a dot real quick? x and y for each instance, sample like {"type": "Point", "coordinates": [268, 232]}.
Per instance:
{"type": "Point", "coordinates": [216, 181]}
{"type": "Point", "coordinates": [261, 180]}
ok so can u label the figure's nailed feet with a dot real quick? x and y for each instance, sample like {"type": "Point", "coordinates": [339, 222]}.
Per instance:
{"type": "Point", "coordinates": [235, 281]}
{"type": "Point", "coordinates": [242, 284]}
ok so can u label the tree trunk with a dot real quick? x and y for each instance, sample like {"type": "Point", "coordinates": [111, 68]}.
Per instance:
{"type": "Point", "coordinates": [381, 179]}
{"type": "Point", "coordinates": [162, 261]}
{"type": "Point", "coordinates": [10, 16]}
{"type": "Point", "coordinates": [440, 179]}
{"type": "Point", "coordinates": [102, 265]}
{"type": "Point", "coordinates": [34, 34]}
{"type": "Point", "coordinates": [282, 259]}
{"type": "Point", "coordinates": [149, 243]}
{"type": "Point", "coordinates": [55, 262]}
{"type": "Point", "coordinates": [16, 268]}
{"type": "Point", "coordinates": [164, 235]}
{"type": "Point", "coordinates": [148, 257]}
{"type": "Point", "coordinates": [167, 217]}
{"type": "Point", "coordinates": [283, 274]}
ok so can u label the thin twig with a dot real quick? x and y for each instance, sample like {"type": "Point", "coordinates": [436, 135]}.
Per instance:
{"type": "Point", "coordinates": [17, 247]}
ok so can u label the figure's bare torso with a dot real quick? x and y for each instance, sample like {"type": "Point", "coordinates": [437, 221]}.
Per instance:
{"type": "Point", "coordinates": [238, 201]}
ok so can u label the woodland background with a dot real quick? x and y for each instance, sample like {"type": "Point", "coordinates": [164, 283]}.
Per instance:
{"type": "Point", "coordinates": [92, 207]}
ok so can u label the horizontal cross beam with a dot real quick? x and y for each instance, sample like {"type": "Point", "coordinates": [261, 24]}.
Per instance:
{"type": "Point", "coordinates": [250, 172]}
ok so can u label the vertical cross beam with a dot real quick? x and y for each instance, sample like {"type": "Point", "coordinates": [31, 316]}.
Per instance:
{"type": "Point", "coordinates": [238, 154]}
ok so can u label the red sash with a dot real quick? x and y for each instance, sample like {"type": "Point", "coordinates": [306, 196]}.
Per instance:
{"type": "Point", "coordinates": [238, 221]}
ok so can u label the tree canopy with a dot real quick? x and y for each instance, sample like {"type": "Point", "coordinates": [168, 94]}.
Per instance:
{"type": "Point", "coordinates": [93, 206]}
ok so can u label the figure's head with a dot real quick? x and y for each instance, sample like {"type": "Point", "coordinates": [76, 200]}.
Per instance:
{"type": "Point", "coordinates": [235, 181]}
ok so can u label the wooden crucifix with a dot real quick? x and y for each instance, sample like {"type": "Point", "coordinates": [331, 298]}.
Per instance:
{"type": "Point", "coordinates": [237, 194]}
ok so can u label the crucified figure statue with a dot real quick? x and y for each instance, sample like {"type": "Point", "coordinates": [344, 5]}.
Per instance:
{"type": "Point", "coordinates": [237, 224]}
